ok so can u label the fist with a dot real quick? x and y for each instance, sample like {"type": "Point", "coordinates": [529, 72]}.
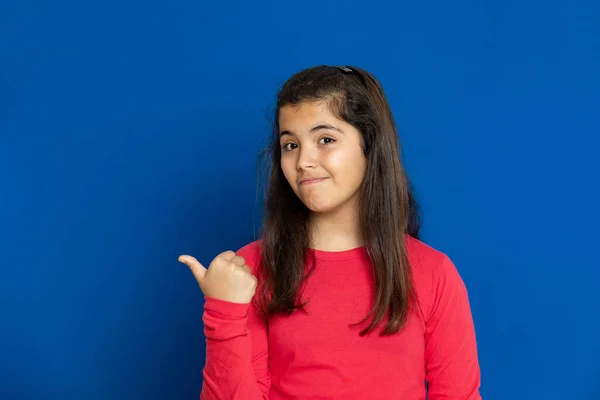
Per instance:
{"type": "Point", "coordinates": [227, 278]}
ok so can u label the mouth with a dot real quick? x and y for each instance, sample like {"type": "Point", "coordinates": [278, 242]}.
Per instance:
{"type": "Point", "coordinates": [311, 181]}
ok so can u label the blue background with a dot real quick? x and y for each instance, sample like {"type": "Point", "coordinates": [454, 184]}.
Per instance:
{"type": "Point", "coordinates": [129, 134]}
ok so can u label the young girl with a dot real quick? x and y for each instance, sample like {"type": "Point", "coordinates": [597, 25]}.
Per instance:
{"type": "Point", "coordinates": [349, 303]}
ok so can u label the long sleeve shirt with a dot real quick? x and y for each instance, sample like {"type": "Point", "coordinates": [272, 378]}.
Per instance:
{"type": "Point", "coordinates": [317, 354]}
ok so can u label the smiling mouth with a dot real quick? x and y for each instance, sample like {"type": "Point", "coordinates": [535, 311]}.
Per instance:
{"type": "Point", "coordinates": [312, 181]}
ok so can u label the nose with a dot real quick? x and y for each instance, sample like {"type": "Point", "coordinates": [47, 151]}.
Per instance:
{"type": "Point", "coordinates": [307, 158]}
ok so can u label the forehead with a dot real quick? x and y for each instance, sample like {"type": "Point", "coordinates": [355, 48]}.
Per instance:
{"type": "Point", "coordinates": [305, 113]}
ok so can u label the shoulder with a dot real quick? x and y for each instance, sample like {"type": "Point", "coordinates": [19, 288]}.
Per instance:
{"type": "Point", "coordinates": [425, 259]}
{"type": "Point", "coordinates": [434, 275]}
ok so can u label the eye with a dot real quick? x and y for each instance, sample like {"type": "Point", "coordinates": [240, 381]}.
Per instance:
{"type": "Point", "coordinates": [326, 140]}
{"type": "Point", "coordinates": [289, 146]}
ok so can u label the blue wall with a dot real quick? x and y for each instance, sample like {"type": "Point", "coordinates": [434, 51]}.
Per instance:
{"type": "Point", "coordinates": [129, 133]}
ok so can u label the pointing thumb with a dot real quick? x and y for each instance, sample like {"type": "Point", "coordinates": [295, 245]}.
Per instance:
{"type": "Point", "coordinates": [197, 269]}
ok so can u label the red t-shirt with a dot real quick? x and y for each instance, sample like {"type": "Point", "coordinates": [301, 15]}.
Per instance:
{"type": "Point", "coordinates": [317, 355]}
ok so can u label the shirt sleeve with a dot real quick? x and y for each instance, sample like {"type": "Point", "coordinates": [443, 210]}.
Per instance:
{"type": "Point", "coordinates": [236, 351]}
{"type": "Point", "coordinates": [451, 360]}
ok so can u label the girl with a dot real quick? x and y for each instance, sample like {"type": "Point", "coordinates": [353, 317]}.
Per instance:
{"type": "Point", "coordinates": [349, 303]}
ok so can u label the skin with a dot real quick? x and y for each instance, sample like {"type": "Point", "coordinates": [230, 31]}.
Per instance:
{"type": "Point", "coordinates": [317, 144]}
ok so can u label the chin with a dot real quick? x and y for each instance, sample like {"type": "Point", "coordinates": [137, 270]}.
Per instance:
{"type": "Point", "coordinates": [328, 204]}
{"type": "Point", "coordinates": [316, 206]}
{"type": "Point", "coordinates": [321, 210]}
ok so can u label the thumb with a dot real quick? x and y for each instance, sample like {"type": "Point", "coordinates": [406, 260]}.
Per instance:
{"type": "Point", "coordinates": [197, 269]}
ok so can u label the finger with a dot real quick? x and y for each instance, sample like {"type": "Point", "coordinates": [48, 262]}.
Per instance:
{"type": "Point", "coordinates": [197, 269]}
{"type": "Point", "coordinates": [238, 260]}
{"type": "Point", "coordinates": [226, 255]}
{"type": "Point", "coordinates": [246, 268]}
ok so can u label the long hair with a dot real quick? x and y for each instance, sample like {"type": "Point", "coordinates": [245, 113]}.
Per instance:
{"type": "Point", "coordinates": [388, 209]}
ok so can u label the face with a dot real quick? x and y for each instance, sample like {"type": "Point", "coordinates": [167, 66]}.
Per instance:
{"type": "Point", "coordinates": [321, 157]}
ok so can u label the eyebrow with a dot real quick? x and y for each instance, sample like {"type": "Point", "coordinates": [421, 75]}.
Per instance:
{"type": "Point", "coordinates": [314, 129]}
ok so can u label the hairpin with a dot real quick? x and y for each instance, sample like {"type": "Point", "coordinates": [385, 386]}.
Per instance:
{"type": "Point", "coordinates": [345, 69]}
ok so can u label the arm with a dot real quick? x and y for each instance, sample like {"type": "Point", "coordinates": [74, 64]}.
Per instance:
{"type": "Point", "coordinates": [451, 362]}
{"type": "Point", "coordinates": [237, 354]}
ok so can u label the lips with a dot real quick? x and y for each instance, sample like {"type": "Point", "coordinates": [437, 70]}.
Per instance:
{"type": "Point", "coordinates": [309, 181]}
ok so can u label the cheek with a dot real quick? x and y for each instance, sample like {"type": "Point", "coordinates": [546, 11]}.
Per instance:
{"type": "Point", "coordinates": [337, 161]}
{"type": "Point", "coordinates": [288, 168]}
{"type": "Point", "coordinates": [346, 165]}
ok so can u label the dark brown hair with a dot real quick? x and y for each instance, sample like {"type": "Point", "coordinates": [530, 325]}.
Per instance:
{"type": "Point", "coordinates": [388, 208]}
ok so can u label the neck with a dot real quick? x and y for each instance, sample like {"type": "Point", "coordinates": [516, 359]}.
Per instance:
{"type": "Point", "coordinates": [335, 231]}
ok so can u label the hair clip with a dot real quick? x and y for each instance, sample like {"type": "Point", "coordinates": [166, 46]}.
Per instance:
{"type": "Point", "coordinates": [345, 69]}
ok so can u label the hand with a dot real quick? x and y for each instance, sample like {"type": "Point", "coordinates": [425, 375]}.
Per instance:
{"type": "Point", "coordinates": [227, 278]}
